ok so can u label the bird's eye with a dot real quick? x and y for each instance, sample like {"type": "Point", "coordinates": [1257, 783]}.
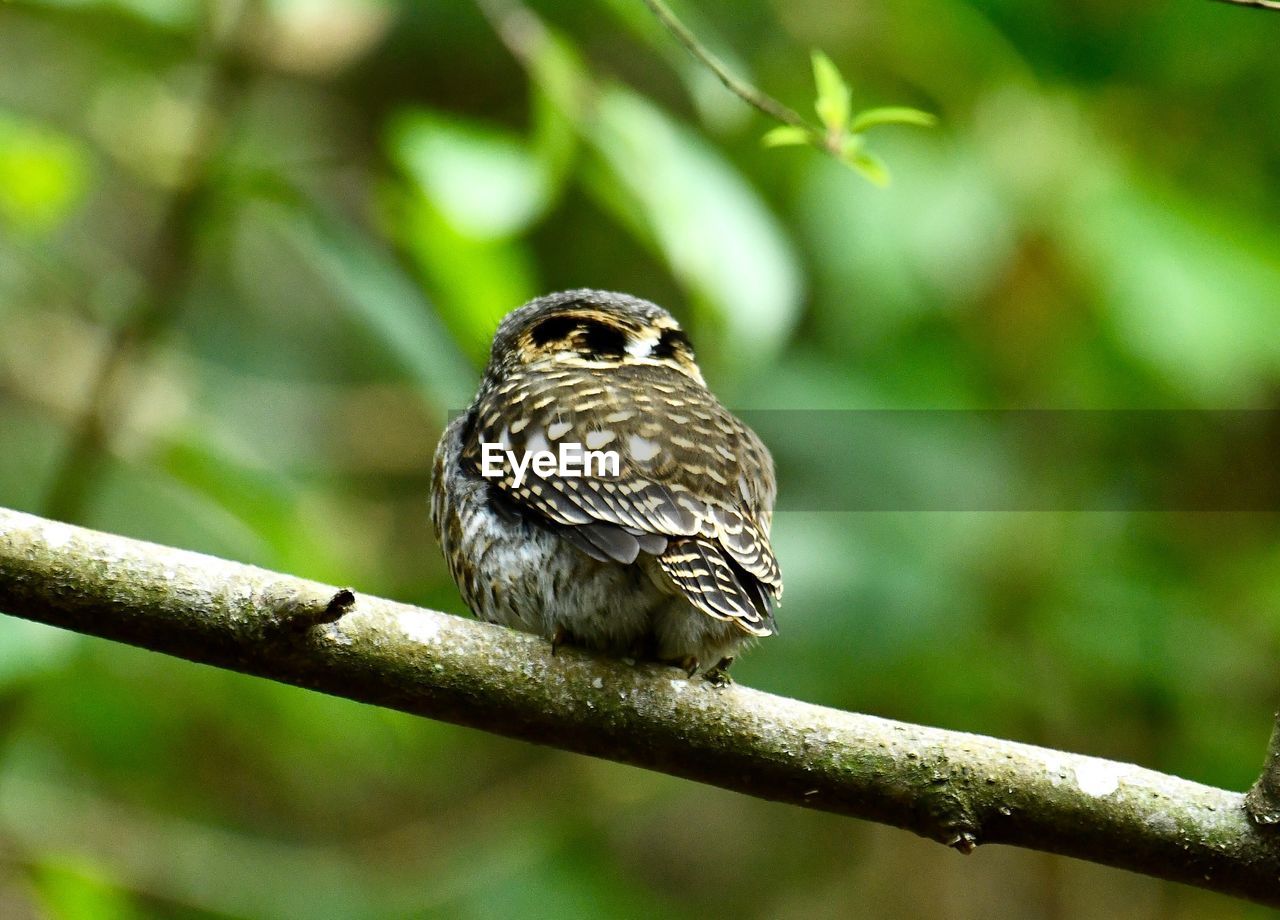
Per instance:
{"type": "Point", "coordinates": [601, 340]}
{"type": "Point", "coordinates": [554, 329]}
{"type": "Point", "coordinates": [672, 340]}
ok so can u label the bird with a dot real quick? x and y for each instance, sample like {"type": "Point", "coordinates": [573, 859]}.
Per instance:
{"type": "Point", "coordinates": [664, 557]}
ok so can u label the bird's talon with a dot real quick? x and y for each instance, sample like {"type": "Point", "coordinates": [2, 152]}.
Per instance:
{"type": "Point", "coordinates": [718, 677]}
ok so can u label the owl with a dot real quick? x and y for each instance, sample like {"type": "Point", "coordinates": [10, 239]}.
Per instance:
{"type": "Point", "coordinates": [596, 493]}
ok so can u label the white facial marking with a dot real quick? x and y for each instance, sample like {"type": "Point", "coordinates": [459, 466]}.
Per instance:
{"type": "Point", "coordinates": [642, 348]}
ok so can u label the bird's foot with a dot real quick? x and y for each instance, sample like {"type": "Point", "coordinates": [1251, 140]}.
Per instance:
{"type": "Point", "coordinates": [716, 677]}
{"type": "Point", "coordinates": [719, 675]}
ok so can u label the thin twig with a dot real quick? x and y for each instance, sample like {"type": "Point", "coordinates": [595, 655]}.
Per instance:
{"type": "Point", "coordinates": [960, 789]}
{"type": "Point", "coordinates": [740, 88]}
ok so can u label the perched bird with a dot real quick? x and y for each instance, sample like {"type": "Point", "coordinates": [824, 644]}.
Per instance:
{"type": "Point", "coordinates": [666, 557]}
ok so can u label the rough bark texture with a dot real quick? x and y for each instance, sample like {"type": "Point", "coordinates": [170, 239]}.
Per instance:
{"type": "Point", "coordinates": [960, 789]}
{"type": "Point", "coordinates": [1263, 800]}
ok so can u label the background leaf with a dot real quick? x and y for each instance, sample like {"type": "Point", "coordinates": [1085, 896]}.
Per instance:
{"type": "Point", "coordinates": [833, 102]}
{"type": "Point", "coordinates": [44, 175]}
{"type": "Point", "coordinates": [870, 166]}
{"type": "Point", "coordinates": [484, 182]}
{"type": "Point", "coordinates": [786, 136]}
{"type": "Point", "coordinates": [891, 115]}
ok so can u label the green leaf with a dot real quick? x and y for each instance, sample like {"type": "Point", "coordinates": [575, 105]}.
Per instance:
{"type": "Point", "coordinates": [44, 175]}
{"type": "Point", "coordinates": [553, 138]}
{"type": "Point", "coordinates": [74, 888]}
{"type": "Point", "coordinates": [787, 136]}
{"type": "Point", "coordinates": [560, 85]}
{"type": "Point", "coordinates": [474, 282]}
{"type": "Point", "coordinates": [892, 115]}
{"type": "Point", "coordinates": [484, 181]}
{"type": "Point", "coordinates": [833, 104]}
{"type": "Point", "coordinates": [850, 145]}
{"type": "Point", "coordinates": [1191, 293]}
{"type": "Point", "coordinates": [869, 166]}
{"type": "Point", "coordinates": [558, 70]}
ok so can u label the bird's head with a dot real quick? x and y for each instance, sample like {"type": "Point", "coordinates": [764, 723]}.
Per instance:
{"type": "Point", "coordinates": [590, 329]}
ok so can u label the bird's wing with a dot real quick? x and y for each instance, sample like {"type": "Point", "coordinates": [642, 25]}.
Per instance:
{"type": "Point", "coordinates": [693, 485]}
{"type": "Point", "coordinates": [707, 576]}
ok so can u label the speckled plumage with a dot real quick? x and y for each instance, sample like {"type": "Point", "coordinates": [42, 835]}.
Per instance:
{"type": "Point", "coordinates": [670, 558]}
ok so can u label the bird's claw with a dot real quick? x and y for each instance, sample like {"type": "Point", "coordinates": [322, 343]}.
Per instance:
{"type": "Point", "coordinates": [718, 677]}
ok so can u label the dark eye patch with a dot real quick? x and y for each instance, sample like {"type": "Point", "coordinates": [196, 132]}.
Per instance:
{"type": "Point", "coordinates": [554, 329]}
{"type": "Point", "coordinates": [588, 336]}
{"type": "Point", "coordinates": [603, 340]}
{"type": "Point", "coordinates": [670, 341]}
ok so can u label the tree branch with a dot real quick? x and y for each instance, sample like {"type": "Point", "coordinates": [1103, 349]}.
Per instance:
{"type": "Point", "coordinates": [1263, 800]}
{"type": "Point", "coordinates": [956, 788]}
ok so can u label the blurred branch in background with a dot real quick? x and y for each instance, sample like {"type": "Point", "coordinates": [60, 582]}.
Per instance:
{"type": "Point", "coordinates": [173, 259]}
{"type": "Point", "coordinates": [956, 788]}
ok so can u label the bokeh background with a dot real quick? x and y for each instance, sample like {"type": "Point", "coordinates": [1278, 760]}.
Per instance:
{"type": "Point", "coordinates": [250, 258]}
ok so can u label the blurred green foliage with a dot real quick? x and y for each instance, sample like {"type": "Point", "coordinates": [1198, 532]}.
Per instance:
{"type": "Point", "coordinates": [1092, 226]}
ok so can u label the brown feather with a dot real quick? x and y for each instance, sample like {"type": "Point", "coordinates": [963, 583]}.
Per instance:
{"type": "Point", "coordinates": [688, 469]}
